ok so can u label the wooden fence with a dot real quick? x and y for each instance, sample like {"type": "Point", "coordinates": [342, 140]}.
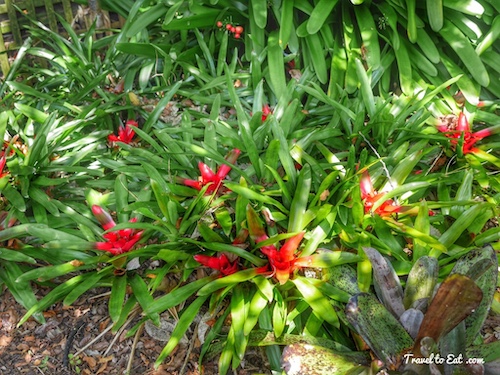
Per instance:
{"type": "Point", "coordinates": [13, 20]}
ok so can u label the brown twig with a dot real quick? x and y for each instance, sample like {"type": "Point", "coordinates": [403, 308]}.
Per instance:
{"type": "Point", "coordinates": [132, 350]}
{"type": "Point", "coordinates": [189, 350]}
{"type": "Point", "coordinates": [94, 340]}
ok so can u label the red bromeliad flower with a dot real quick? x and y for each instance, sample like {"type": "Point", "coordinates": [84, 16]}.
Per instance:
{"type": "Point", "coordinates": [125, 133]}
{"type": "Point", "coordinates": [282, 261]}
{"type": "Point", "coordinates": [462, 129]}
{"type": "Point", "coordinates": [370, 196]}
{"type": "Point", "coordinates": [119, 241]}
{"type": "Point", "coordinates": [3, 160]}
{"type": "Point", "coordinates": [389, 207]}
{"type": "Point", "coordinates": [220, 263]}
{"type": "Point", "coordinates": [266, 111]}
{"type": "Point", "coordinates": [209, 177]}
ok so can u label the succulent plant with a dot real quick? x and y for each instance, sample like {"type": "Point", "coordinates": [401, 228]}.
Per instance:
{"type": "Point", "coordinates": [427, 327]}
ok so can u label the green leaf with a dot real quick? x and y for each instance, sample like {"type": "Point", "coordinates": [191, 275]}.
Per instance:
{"type": "Point", "coordinates": [218, 246]}
{"type": "Point", "coordinates": [327, 258]}
{"type": "Point", "coordinates": [117, 297]}
{"type": "Point", "coordinates": [318, 302]}
{"type": "Point", "coordinates": [276, 65]}
{"type": "Point", "coordinates": [90, 280]}
{"type": "Point", "coordinates": [16, 256]}
{"type": "Point", "coordinates": [379, 328]}
{"type": "Point", "coordinates": [279, 314]}
{"type": "Point", "coordinates": [412, 20]}
{"type": "Point", "coordinates": [42, 198]}
{"type": "Point", "coordinates": [239, 312]}
{"type": "Point", "coordinates": [407, 188]}
{"type": "Point", "coordinates": [252, 195]}
{"type": "Point", "coordinates": [466, 53]}
{"type": "Point", "coordinates": [489, 352]}
{"type": "Point", "coordinates": [52, 297]}
{"type": "Point", "coordinates": [259, 8]}
{"type": "Point", "coordinates": [121, 197]}
{"type": "Point", "coordinates": [435, 14]}
{"type": "Point", "coordinates": [257, 303]}
{"type": "Point", "coordinates": [424, 237]}
{"type": "Point", "coordinates": [231, 280]}
{"type": "Point", "coordinates": [14, 198]}
{"type": "Point", "coordinates": [32, 113]}
{"type": "Point", "coordinates": [177, 296]}
{"type": "Point", "coordinates": [286, 22]}
{"type": "Point", "coordinates": [404, 69]}
{"type": "Point", "coordinates": [183, 324]}
{"type": "Point", "coordinates": [160, 107]}
{"type": "Point", "coordinates": [464, 193]}
{"type": "Point", "coordinates": [51, 272]}
{"type": "Point", "coordinates": [321, 12]}
{"type": "Point", "coordinates": [388, 286]}
{"type": "Point", "coordinates": [144, 297]}
{"type": "Point", "coordinates": [369, 36]}
{"type": "Point", "coordinates": [421, 281]}
{"type": "Point", "coordinates": [317, 55]}
{"type": "Point", "coordinates": [300, 199]}
{"type": "Point", "coordinates": [460, 225]}
{"type": "Point", "coordinates": [22, 292]}
{"type": "Point", "coordinates": [145, 19]}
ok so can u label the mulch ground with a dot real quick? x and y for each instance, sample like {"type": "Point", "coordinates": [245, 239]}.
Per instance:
{"type": "Point", "coordinates": [77, 340]}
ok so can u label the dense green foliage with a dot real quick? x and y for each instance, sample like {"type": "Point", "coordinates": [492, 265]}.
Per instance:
{"type": "Point", "coordinates": [274, 154]}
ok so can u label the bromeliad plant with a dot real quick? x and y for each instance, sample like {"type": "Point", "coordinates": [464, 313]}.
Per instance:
{"type": "Point", "coordinates": [117, 241]}
{"type": "Point", "coordinates": [315, 179]}
{"type": "Point", "coordinates": [463, 140]}
{"type": "Point", "coordinates": [421, 43]}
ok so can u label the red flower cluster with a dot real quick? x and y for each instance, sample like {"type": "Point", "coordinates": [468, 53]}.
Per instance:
{"type": "Point", "coordinates": [389, 207]}
{"type": "Point", "coordinates": [125, 133]}
{"type": "Point", "coordinates": [266, 111]}
{"type": "Point", "coordinates": [3, 161]}
{"type": "Point", "coordinates": [370, 196]}
{"type": "Point", "coordinates": [235, 30]}
{"type": "Point", "coordinates": [462, 129]}
{"type": "Point", "coordinates": [210, 177]}
{"type": "Point", "coordinates": [119, 241]}
{"type": "Point", "coordinates": [4, 153]}
{"type": "Point", "coordinates": [220, 263]}
{"type": "Point", "coordinates": [282, 261]}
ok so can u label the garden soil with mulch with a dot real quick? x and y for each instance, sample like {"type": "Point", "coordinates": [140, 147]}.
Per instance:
{"type": "Point", "coordinates": [76, 340]}
{"type": "Point", "coordinates": [61, 346]}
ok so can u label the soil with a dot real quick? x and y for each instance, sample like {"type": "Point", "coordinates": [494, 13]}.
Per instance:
{"type": "Point", "coordinates": [77, 339]}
